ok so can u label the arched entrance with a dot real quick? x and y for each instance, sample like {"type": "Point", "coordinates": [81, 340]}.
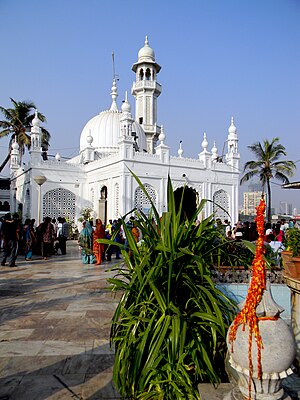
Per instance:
{"type": "Point", "coordinates": [189, 203]}
{"type": "Point", "coordinates": [102, 211]}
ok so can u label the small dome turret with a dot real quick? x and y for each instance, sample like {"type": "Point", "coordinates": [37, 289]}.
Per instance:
{"type": "Point", "coordinates": [146, 53]}
{"type": "Point", "coordinates": [232, 128]}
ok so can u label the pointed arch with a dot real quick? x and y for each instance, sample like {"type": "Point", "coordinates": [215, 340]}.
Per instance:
{"type": "Point", "coordinates": [190, 200]}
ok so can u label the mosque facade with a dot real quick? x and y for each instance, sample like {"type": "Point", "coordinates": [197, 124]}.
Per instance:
{"type": "Point", "coordinates": [114, 143]}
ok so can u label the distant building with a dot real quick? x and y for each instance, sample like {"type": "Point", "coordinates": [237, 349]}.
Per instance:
{"type": "Point", "coordinates": [251, 200]}
{"type": "Point", "coordinates": [285, 208]}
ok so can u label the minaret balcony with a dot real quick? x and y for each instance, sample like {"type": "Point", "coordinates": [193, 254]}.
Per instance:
{"type": "Point", "coordinates": [140, 85]}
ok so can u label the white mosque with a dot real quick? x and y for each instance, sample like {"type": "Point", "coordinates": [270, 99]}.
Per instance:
{"type": "Point", "coordinates": [111, 144]}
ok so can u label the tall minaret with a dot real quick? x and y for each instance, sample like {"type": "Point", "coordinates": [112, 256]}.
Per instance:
{"type": "Point", "coordinates": [232, 156]}
{"type": "Point", "coordinates": [35, 137]}
{"type": "Point", "coordinates": [146, 90]}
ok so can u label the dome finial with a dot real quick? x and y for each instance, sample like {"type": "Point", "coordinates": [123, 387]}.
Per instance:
{"type": "Point", "coordinates": [146, 41]}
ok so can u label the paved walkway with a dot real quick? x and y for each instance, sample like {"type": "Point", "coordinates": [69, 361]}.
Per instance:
{"type": "Point", "coordinates": [55, 324]}
{"type": "Point", "coordinates": [54, 332]}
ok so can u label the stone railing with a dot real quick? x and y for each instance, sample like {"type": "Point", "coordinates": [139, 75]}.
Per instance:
{"type": "Point", "coordinates": [238, 275]}
{"type": "Point", "coordinates": [148, 84]}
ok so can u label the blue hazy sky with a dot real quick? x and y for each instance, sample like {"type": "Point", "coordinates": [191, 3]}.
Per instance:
{"type": "Point", "coordinates": [219, 58]}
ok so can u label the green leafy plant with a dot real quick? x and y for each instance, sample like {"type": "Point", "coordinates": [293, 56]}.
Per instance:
{"type": "Point", "coordinates": [169, 327]}
{"type": "Point", "coordinates": [293, 241]}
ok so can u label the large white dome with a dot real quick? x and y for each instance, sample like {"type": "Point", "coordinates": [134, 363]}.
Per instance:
{"type": "Point", "coordinates": [105, 128]}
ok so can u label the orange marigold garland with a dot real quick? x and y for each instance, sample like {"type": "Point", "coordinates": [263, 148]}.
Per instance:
{"type": "Point", "coordinates": [257, 286]}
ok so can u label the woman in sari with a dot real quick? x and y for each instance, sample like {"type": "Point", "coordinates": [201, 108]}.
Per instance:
{"type": "Point", "coordinates": [85, 242]}
{"type": "Point", "coordinates": [98, 248]}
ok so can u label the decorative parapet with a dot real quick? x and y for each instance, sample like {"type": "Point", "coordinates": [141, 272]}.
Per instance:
{"type": "Point", "coordinates": [48, 164]}
{"type": "Point", "coordinates": [142, 156]}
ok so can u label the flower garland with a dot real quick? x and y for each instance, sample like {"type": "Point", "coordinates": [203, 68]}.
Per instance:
{"type": "Point", "coordinates": [257, 286]}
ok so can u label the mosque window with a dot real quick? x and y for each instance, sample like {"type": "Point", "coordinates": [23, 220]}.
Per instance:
{"type": "Point", "coordinates": [141, 74]}
{"type": "Point", "coordinates": [59, 203]}
{"type": "Point", "coordinates": [221, 204]}
{"type": "Point", "coordinates": [148, 74]}
{"type": "Point", "coordinates": [142, 202]}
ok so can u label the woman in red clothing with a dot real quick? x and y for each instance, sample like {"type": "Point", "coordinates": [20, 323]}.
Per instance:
{"type": "Point", "coordinates": [98, 248]}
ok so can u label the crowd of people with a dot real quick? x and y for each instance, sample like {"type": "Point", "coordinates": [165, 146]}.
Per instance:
{"type": "Point", "coordinates": [50, 237]}
{"type": "Point", "coordinates": [26, 239]}
{"type": "Point", "coordinates": [275, 233]}
{"type": "Point", "coordinates": [95, 252]}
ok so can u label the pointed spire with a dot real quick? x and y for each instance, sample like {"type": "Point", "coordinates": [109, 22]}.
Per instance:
{"type": "Point", "coordinates": [204, 142]}
{"type": "Point", "coordinates": [114, 95]}
{"type": "Point", "coordinates": [214, 152]}
{"type": "Point", "coordinates": [146, 41]}
{"type": "Point", "coordinates": [162, 135]}
{"type": "Point", "coordinates": [126, 108]}
{"type": "Point", "coordinates": [15, 145]}
{"type": "Point", "coordinates": [180, 150]}
{"type": "Point", "coordinates": [232, 128]}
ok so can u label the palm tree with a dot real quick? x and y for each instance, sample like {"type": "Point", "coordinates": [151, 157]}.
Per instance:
{"type": "Point", "coordinates": [267, 166]}
{"type": "Point", "coordinates": [17, 121]}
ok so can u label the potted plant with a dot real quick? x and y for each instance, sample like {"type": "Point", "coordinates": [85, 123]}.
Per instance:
{"type": "Point", "coordinates": [291, 259]}
{"type": "Point", "coordinates": [169, 327]}
{"type": "Point", "coordinates": [86, 214]}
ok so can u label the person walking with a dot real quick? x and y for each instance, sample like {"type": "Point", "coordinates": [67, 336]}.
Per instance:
{"type": "Point", "coordinates": [29, 239]}
{"type": "Point", "coordinates": [10, 231]}
{"type": "Point", "coordinates": [98, 248]}
{"type": "Point", "coordinates": [85, 242]}
{"type": "Point", "coordinates": [64, 236]}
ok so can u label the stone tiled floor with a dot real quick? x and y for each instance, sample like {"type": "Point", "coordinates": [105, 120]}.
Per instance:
{"type": "Point", "coordinates": [54, 330]}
